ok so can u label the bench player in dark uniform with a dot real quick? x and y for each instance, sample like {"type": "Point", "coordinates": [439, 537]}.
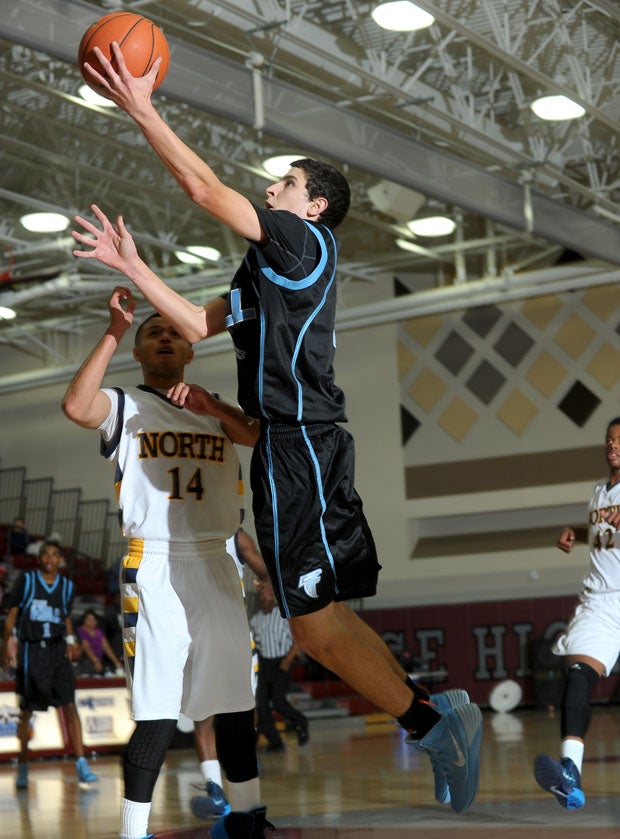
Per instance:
{"type": "Point", "coordinates": [39, 607]}
{"type": "Point", "coordinates": [280, 313]}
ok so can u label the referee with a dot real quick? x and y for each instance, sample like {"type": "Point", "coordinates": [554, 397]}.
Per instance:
{"type": "Point", "coordinates": [276, 653]}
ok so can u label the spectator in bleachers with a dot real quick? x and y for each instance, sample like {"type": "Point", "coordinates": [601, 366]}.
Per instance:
{"type": "Point", "coordinates": [18, 537]}
{"type": "Point", "coordinates": [112, 624]}
{"type": "Point", "coordinates": [95, 646]}
{"type": "Point", "coordinates": [35, 545]}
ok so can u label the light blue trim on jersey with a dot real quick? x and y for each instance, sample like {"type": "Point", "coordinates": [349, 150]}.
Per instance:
{"type": "Point", "coordinates": [303, 284]}
{"type": "Point", "coordinates": [295, 285]}
{"type": "Point", "coordinates": [276, 529]}
{"type": "Point", "coordinates": [304, 329]}
{"type": "Point", "coordinates": [317, 470]}
{"type": "Point", "coordinates": [300, 337]}
{"type": "Point", "coordinates": [28, 591]}
{"type": "Point", "coordinates": [261, 359]}
{"type": "Point", "coordinates": [274, 507]}
{"type": "Point", "coordinates": [237, 314]}
{"type": "Point", "coordinates": [50, 587]}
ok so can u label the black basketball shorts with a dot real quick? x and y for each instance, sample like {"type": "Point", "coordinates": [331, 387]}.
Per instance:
{"type": "Point", "coordinates": [44, 675]}
{"type": "Point", "coordinates": [309, 522]}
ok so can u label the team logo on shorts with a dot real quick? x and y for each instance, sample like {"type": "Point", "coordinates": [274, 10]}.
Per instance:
{"type": "Point", "coordinates": [310, 581]}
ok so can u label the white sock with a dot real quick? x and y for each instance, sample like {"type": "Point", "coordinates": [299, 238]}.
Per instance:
{"type": "Point", "coordinates": [573, 749]}
{"type": "Point", "coordinates": [135, 819]}
{"type": "Point", "coordinates": [211, 771]}
{"type": "Point", "coordinates": [244, 796]}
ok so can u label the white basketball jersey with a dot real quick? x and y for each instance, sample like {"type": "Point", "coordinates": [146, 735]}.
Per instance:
{"type": "Point", "coordinates": [604, 575]}
{"type": "Point", "coordinates": [177, 473]}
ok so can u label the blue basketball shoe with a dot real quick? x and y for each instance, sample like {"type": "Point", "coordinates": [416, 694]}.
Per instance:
{"type": "Point", "coordinates": [444, 703]}
{"type": "Point", "coordinates": [242, 825]}
{"type": "Point", "coordinates": [21, 781]}
{"type": "Point", "coordinates": [453, 746]}
{"type": "Point", "coordinates": [84, 772]}
{"type": "Point", "coordinates": [212, 805]}
{"type": "Point", "coordinates": [560, 778]}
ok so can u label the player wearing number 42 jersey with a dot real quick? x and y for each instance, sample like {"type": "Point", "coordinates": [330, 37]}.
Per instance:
{"type": "Point", "coordinates": [177, 482]}
{"type": "Point", "coordinates": [591, 643]}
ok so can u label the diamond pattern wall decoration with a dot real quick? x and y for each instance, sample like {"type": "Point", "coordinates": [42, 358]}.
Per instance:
{"type": "Point", "coordinates": [454, 353]}
{"type": "Point", "coordinates": [579, 404]}
{"type": "Point", "coordinates": [485, 382]}
{"type": "Point", "coordinates": [574, 336]}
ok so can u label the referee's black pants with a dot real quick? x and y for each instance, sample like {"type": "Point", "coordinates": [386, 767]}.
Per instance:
{"type": "Point", "coordinates": [273, 685]}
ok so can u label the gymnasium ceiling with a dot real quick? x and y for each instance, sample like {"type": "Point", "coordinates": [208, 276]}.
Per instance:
{"type": "Point", "coordinates": [434, 121]}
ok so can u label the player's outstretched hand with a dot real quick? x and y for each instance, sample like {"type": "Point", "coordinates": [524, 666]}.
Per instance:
{"type": "Point", "coordinates": [566, 542]}
{"type": "Point", "coordinates": [121, 307]}
{"type": "Point", "coordinates": [130, 93]}
{"type": "Point", "coordinates": [112, 246]}
{"type": "Point", "coordinates": [193, 398]}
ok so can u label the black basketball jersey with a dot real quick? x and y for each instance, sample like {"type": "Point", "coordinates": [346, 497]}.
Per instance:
{"type": "Point", "coordinates": [280, 314]}
{"type": "Point", "coordinates": [42, 607]}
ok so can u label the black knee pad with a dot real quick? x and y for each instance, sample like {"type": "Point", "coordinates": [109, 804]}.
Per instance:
{"type": "Point", "coordinates": [144, 756]}
{"type": "Point", "coordinates": [576, 708]}
{"type": "Point", "coordinates": [235, 738]}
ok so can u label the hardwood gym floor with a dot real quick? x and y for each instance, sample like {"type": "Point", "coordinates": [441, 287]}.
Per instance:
{"type": "Point", "coordinates": [354, 779]}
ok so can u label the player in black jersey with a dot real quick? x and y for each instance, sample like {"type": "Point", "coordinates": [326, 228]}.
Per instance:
{"type": "Point", "coordinates": [39, 608]}
{"type": "Point", "coordinates": [280, 313]}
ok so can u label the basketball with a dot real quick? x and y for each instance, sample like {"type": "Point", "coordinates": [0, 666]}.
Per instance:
{"type": "Point", "coordinates": [140, 40]}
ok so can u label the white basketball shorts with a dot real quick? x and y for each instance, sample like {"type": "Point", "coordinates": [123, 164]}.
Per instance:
{"type": "Point", "coordinates": [186, 639]}
{"type": "Point", "coordinates": [594, 630]}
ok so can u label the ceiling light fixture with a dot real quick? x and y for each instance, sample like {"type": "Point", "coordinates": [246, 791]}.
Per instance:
{"type": "Point", "coordinates": [45, 222]}
{"type": "Point", "coordinates": [557, 108]}
{"type": "Point", "coordinates": [93, 98]}
{"type": "Point", "coordinates": [401, 16]}
{"type": "Point", "coordinates": [6, 313]}
{"type": "Point", "coordinates": [406, 245]}
{"type": "Point", "coordinates": [280, 164]}
{"type": "Point", "coordinates": [198, 254]}
{"type": "Point", "coordinates": [432, 226]}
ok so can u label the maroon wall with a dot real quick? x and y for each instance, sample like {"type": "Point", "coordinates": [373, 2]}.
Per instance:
{"type": "Point", "coordinates": [482, 644]}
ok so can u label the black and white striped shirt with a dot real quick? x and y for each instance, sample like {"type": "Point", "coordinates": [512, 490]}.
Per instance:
{"type": "Point", "coordinates": [271, 634]}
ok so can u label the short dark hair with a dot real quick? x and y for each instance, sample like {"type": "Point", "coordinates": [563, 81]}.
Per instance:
{"type": "Point", "coordinates": [49, 543]}
{"type": "Point", "coordinates": [144, 322]}
{"type": "Point", "coordinates": [614, 421]}
{"type": "Point", "coordinates": [136, 339]}
{"type": "Point", "coordinates": [325, 181]}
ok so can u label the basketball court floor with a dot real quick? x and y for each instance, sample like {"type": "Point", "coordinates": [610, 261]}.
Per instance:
{"type": "Point", "coordinates": [354, 779]}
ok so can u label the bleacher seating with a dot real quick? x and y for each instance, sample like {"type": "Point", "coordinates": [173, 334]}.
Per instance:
{"type": "Point", "coordinates": [88, 528]}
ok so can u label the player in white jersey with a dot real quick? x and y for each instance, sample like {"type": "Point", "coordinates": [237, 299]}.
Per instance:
{"type": "Point", "coordinates": [245, 554]}
{"type": "Point", "coordinates": [591, 643]}
{"type": "Point", "coordinates": [184, 619]}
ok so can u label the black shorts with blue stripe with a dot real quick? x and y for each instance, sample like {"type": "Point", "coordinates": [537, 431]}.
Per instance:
{"type": "Point", "coordinates": [309, 521]}
{"type": "Point", "coordinates": [44, 675]}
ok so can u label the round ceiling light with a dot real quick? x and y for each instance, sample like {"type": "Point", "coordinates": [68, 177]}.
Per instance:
{"type": "Point", "coordinates": [557, 108]}
{"type": "Point", "coordinates": [432, 226]}
{"type": "Point", "coordinates": [93, 98]}
{"type": "Point", "coordinates": [280, 164]}
{"type": "Point", "coordinates": [6, 313]}
{"type": "Point", "coordinates": [406, 245]}
{"type": "Point", "coordinates": [198, 254]}
{"type": "Point", "coordinates": [45, 222]}
{"type": "Point", "coordinates": [401, 16]}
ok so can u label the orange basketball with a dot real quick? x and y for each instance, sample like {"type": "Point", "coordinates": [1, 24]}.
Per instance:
{"type": "Point", "coordinates": [140, 40]}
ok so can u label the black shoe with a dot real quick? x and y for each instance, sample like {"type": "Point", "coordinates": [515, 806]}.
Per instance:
{"type": "Point", "coordinates": [274, 747]}
{"type": "Point", "coordinates": [251, 824]}
{"type": "Point", "coordinates": [302, 733]}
